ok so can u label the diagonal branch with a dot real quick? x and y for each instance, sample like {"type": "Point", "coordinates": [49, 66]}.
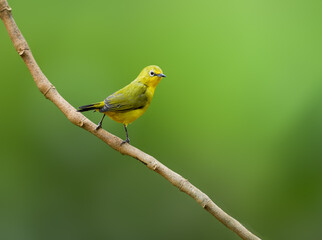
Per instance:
{"type": "Point", "coordinates": [50, 92]}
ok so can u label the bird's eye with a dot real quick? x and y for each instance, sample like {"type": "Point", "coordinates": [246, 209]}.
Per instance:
{"type": "Point", "coordinates": [151, 73]}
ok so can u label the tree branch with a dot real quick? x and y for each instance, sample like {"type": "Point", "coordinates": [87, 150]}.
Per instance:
{"type": "Point", "coordinates": [50, 92]}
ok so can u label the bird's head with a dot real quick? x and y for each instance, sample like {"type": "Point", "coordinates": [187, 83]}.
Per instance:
{"type": "Point", "coordinates": [151, 76]}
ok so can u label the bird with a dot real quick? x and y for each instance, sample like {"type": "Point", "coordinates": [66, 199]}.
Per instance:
{"type": "Point", "coordinates": [129, 103]}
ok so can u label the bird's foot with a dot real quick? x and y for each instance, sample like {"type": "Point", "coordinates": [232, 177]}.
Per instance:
{"type": "Point", "coordinates": [98, 126]}
{"type": "Point", "coordinates": [125, 141]}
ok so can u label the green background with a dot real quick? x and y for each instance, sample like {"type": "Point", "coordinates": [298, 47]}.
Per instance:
{"type": "Point", "coordinates": [239, 115]}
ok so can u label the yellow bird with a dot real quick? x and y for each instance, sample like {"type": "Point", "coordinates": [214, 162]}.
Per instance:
{"type": "Point", "coordinates": [129, 103]}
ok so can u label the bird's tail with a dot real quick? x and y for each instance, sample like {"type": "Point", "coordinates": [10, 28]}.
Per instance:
{"type": "Point", "coordinates": [91, 107]}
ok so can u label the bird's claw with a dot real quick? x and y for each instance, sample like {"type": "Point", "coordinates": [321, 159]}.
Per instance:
{"type": "Point", "coordinates": [125, 141]}
{"type": "Point", "coordinates": [98, 126]}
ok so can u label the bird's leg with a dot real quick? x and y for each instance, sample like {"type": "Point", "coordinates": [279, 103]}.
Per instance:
{"type": "Point", "coordinates": [99, 125]}
{"type": "Point", "coordinates": [127, 136]}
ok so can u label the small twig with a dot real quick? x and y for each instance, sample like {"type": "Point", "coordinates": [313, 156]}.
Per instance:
{"type": "Point", "coordinates": [50, 92]}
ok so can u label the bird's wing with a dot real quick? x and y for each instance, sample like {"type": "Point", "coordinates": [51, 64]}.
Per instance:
{"type": "Point", "coordinates": [131, 97]}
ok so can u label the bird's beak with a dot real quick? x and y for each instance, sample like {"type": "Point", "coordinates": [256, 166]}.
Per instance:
{"type": "Point", "coordinates": [161, 75]}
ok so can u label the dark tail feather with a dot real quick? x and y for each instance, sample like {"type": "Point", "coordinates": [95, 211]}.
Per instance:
{"type": "Point", "coordinates": [85, 108]}
{"type": "Point", "coordinates": [90, 107]}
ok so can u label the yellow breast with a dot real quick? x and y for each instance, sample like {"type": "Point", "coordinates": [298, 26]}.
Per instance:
{"type": "Point", "coordinates": [126, 117]}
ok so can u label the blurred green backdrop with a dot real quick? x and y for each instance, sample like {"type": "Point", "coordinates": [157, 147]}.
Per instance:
{"type": "Point", "coordinates": [239, 115]}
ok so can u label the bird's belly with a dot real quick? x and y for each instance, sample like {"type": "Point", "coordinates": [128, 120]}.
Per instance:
{"type": "Point", "coordinates": [126, 117]}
